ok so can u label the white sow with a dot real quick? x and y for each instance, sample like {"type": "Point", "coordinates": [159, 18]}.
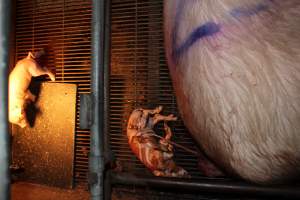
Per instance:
{"type": "Point", "coordinates": [235, 70]}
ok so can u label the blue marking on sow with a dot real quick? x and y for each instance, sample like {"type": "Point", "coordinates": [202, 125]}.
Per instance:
{"type": "Point", "coordinates": [209, 28]}
{"type": "Point", "coordinates": [205, 30]}
{"type": "Point", "coordinates": [247, 12]}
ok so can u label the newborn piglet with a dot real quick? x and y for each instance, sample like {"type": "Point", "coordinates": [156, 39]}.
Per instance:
{"type": "Point", "coordinates": [156, 155]}
{"type": "Point", "coordinates": [19, 81]}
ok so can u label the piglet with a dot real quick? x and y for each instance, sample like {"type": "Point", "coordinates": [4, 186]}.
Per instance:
{"type": "Point", "coordinates": [19, 94]}
{"type": "Point", "coordinates": [235, 70]}
{"type": "Point", "coordinates": [157, 155]}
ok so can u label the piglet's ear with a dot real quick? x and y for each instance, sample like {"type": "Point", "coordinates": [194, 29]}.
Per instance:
{"type": "Point", "coordinates": [39, 53]}
{"type": "Point", "coordinates": [30, 55]}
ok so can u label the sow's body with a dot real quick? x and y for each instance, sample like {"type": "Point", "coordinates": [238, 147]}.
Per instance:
{"type": "Point", "coordinates": [236, 73]}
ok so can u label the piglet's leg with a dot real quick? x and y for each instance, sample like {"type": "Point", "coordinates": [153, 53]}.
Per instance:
{"type": "Point", "coordinates": [167, 131]}
{"type": "Point", "coordinates": [39, 71]}
{"type": "Point", "coordinates": [165, 141]}
{"type": "Point", "coordinates": [29, 96]}
{"type": "Point", "coordinates": [157, 118]}
{"type": "Point", "coordinates": [147, 112]}
{"type": "Point", "coordinates": [156, 110]}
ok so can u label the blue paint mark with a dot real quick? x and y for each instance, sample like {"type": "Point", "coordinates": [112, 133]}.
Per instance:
{"type": "Point", "coordinates": [247, 12]}
{"type": "Point", "coordinates": [206, 30]}
{"type": "Point", "coordinates": [209, 28]}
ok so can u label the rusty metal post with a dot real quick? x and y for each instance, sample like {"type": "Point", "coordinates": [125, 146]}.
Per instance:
{"type": "Point", "coordinates": [5, 16]}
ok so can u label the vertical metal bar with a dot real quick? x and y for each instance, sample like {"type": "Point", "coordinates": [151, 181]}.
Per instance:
{"type": "Point", "coordinates": [96, 157]}
{"type": "Point", "coordinates": [107, 149]}
{"type": "Point", "coordinates": [5, 16]}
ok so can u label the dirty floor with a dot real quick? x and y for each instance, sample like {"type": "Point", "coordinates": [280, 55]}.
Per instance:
{"type": "Point", "coordinates": [28, 191]}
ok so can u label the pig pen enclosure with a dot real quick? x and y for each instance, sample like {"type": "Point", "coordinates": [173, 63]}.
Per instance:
{"type": "Point", "coordinates": [112, 51]}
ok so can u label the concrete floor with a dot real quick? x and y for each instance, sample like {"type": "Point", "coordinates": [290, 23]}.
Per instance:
{"type": "Point", "coordinates": [28, 191]}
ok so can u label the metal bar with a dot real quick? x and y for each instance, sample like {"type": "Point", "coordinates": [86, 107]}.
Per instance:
{"type": "Point", "coordinates": [5, 16]}
{"type": "Point", "coordinates": [107, 149]}
{"type": "Point", "coordinates": [212, 186]}
{"type": "Point", "coordinates": [96, 157]}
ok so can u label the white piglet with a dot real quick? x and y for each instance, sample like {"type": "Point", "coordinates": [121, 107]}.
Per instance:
{"type": "Point", "coordinates": [19, 94]}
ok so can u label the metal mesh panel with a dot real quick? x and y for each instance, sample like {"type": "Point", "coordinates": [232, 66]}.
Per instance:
{"type": "Point", "coordinates": [140, 78]}
{"type": "Point", "coordinates": [62, 28]}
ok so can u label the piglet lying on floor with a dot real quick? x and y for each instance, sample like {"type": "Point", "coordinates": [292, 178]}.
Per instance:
{"type": "Point", "coordinates": [19, 94]}
{"type": "Point", "coordinates": [156, 155]}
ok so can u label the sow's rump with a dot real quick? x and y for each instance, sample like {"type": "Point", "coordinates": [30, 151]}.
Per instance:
{"type": "Point", "coordinates": [235, 69]}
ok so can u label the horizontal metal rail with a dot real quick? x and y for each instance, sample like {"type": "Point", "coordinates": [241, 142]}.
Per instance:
{"type": "Point", "coordinates": [212, 186]}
